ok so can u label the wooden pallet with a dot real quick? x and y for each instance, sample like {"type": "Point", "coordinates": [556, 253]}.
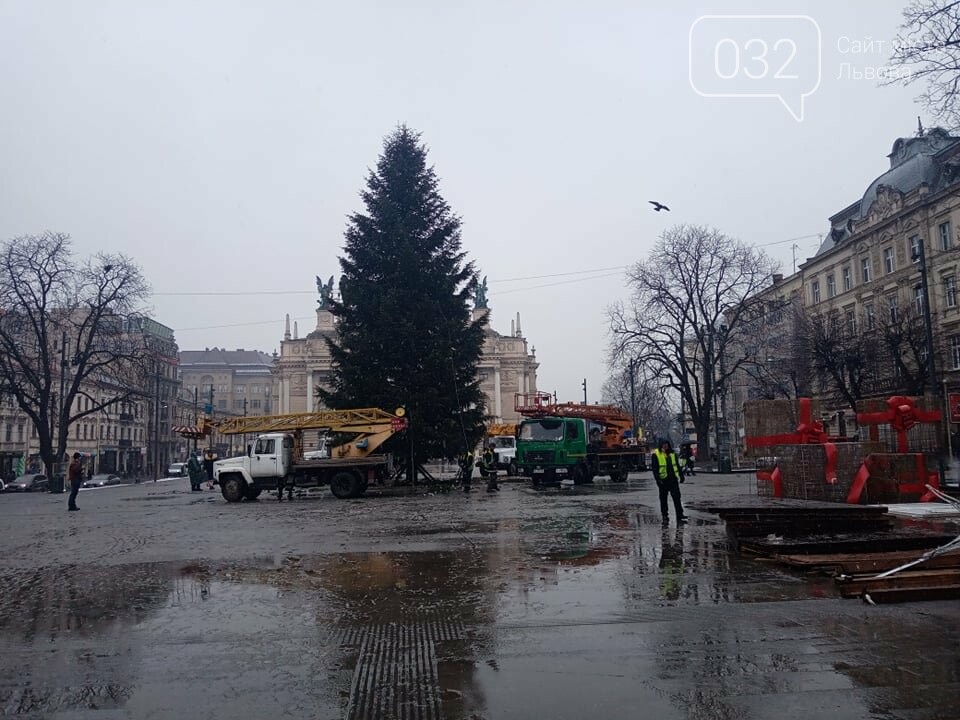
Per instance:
{"type": "Point", "coordinates": [864, 563]}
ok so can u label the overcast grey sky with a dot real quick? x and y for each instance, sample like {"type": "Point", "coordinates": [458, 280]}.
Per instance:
{"type": "Point", "coordinates": [222, 144]}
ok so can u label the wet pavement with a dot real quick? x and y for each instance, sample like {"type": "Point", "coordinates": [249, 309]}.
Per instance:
{"type": "Point", "coordinates": [155, 602]}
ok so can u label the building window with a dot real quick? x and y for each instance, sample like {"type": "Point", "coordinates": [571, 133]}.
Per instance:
{"type": "Point", "coordinates": [221, 404]}
{"type": "Point", "coordinates": [238, 404]}
{"type": "Point", "coordinates": [865, 270]}
{"type": "Point", "coordinates": [240, 389]}
{"type": "Point", "coordinates": [222, 389]}
{"type": "Point", "coordinates": [946, 241]}
{"type": "Point", "coordinates": [255, 404]}
{"type": "Point", "coordinates": [892, 308]}
{"type": "Point", "coordinates": [950, 290]}
{"type": "Point", "coordinates": [831, 287]}
{"type": "Point", "coordinates": [255, 389]}
{"type": "Point", "coordinates": [888, 265]}
{"type": "Point", "coordinates": [915, 249]}
{"type": "Point", "coordinates": [814, 291]}
{"type": "Point", "coordinates": [20, 432]}
{"type": "Point", "coordinates": [847, 279]}
{"type": "Point", "coordinates": [850, 320]}
{"type": "Point", "coordinates": [76, 432]}
{"type": "Point", "coordinates": [955, 351]}
{"type": "Point", "coordinates": [918, 299]}
{"type": "Point", "coordinates": [9, 435]}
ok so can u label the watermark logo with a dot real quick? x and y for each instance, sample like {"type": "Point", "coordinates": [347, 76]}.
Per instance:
{"type": "Point", "coordinates": [756, 56]}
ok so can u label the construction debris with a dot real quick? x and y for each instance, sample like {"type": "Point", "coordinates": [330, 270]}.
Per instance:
{"type": "Point", "coordinates": [862, 546]}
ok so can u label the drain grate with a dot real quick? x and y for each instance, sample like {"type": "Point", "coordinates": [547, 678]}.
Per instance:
{"type": "Point", "coordinates": [396, 673]}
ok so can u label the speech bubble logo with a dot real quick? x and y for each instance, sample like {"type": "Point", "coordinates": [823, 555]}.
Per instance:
{"type": "Point", "coordinates": [752, 56]}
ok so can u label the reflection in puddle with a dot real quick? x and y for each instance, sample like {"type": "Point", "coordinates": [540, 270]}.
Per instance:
{"type": "Point", "coordinates": [603, 598]}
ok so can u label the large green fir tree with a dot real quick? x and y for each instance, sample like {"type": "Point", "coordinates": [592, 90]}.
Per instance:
{"type": "Point", "coordinates": [405, 335]}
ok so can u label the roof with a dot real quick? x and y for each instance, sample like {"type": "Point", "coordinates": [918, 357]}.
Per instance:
{"type": "Point", "coordinates": [914, 161]}
{"type": "Point", "coordinates": [220, 357]}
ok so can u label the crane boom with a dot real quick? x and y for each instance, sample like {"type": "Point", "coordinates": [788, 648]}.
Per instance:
{"type": "Point", "coordinates": [364, 420]}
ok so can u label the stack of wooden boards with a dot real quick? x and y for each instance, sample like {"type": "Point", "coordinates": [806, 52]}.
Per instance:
{"type": "Point", "coordinates": [853, 543]}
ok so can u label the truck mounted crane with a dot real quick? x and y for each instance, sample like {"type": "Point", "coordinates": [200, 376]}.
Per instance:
{"type": "Point", "coordinates": [275, 459]}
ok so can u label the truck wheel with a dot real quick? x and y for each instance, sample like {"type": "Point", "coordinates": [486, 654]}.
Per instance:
{"type": "Point", "coordinates": [617, 476]}
{"type": "Point", "coordinates": [345, 484]}
{"type": "Point", "coordinates": [252, 493]}
{"type": "Point", "coordinates": [512, 469]}
{"type": "Point", "coordinates": [232, 488]}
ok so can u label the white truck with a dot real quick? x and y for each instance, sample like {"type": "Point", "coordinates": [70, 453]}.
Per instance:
{"type": "Point", "coordinates": [505, 450]}
{"type": "Point", "coordinates": [275, 460]}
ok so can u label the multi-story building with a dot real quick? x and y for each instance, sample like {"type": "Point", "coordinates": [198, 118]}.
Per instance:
{"type": "Point", "coordinates": [507, 366]}
{"type": "Point", "coordinates": [239, 382]}
{"type": "Point", "coordinates": [866, 275]}
{"type": "Point", "coordinates": [129, 437]}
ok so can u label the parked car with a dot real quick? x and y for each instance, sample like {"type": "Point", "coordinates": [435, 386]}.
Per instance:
{"type": "Point", "coordinates": [177, 470]}
{"type": "Point", "coordinates": [27, 483]}
{"type": "Point", "coordinates": [102, 481]}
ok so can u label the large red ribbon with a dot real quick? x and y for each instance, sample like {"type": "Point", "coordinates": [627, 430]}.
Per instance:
{"type": "Point", "coordinates": [901, 414]}
{"type": "Point", "coordinates": [926, 478]}
{"type": "Point", "coordinates": [808, 432]}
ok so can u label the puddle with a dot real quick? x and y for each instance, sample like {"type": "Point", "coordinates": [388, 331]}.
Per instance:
{"type": "Point", "coordinates": [595, 610]}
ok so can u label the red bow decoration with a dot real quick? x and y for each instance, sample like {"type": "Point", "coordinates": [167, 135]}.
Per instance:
{"type": "Point", "coordinates": [901, 414]}
{"type": "Point", "coordinates": [808, 432]}
{"type": "Point", "coordinates": [925, 477]}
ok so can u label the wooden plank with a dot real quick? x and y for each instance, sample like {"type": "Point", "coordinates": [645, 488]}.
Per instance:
{"type": "Point", "coordinates": [862, 563]}
{"type": "Point", "coordinates": [898, 595]}
{"type": "Point", "coordinates": [855, 587]}
{"type": "Point", "coordinates": [903, 539]}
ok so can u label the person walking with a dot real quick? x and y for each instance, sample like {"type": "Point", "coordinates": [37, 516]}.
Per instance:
{"type": "Point", "coordinates": [667, 474]}
{"type": "Point", "coordinates": [75, 477]}
{"type": "Point", "coordinates": [488, 468]}
{"type": "Point", "coordinates": [209, 458]}
{"type": "Point", "coordinates": [686, 454]}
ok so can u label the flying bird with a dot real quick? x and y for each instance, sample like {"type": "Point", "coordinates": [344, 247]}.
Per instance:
{"type": "Point", "coordinates": [658, 206]}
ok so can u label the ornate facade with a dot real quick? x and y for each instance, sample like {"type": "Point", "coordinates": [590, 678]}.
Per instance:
{"type": "Point", "coordinates": [507, 366]}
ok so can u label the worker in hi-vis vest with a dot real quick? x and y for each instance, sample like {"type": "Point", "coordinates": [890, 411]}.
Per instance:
{"type": "Point", "coordinates": [668, 476]}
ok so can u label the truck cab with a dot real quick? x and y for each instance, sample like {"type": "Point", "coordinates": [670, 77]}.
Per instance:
{"type": "Point", "coordinates": [269, 457]}
{"type": "Point", "coordinates": [505, 450]}
{"type": "Point", "coordinates": [551, 446]}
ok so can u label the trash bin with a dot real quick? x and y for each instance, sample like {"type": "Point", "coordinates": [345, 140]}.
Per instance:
{"type": "Point", "coordinates": [56, 484]}
{"type": "Point", "coordinates": [725, 465]}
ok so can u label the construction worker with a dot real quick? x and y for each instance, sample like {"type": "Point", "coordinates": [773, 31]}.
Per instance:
{"type": "Point", "coordinates": [668, 476]}
{"type": "Point", "coordinates": [488, 468]}
{"type": "Point", "coordinates": [466, 469]}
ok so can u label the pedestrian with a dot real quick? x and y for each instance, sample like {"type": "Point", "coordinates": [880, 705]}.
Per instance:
{"type": "Point", "coordinates": [686, 454]}
{"type": "Point", "coordinates": [195, 471]}
{"type": "Point", "coordinates": [466, 469]}
{"type": "Point", "coordinates": [668, 476]}
{"type": "Point", "coordinates": [488, 468]}
{"type": "Point", "coordinates": [75, 476]}
{"type": "Point", "coordinates": [209, 458]}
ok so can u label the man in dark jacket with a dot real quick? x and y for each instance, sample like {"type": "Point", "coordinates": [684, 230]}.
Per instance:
{"type": "Point", "coordinates": [668, 476]}
{"type": "Point", "coordinates": [195, 471]}
{"type": "Point", "coordinates": [488, 468]}
{"type": "Point", "coordinates": [75, 478]}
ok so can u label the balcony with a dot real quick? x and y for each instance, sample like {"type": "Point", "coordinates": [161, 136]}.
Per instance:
{"type": "Point", "coordinates": [125, 443]}
{"type": "Point", "coordinates": [126, 417]}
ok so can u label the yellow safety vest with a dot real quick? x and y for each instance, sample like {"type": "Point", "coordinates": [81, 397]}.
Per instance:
{"type": "Point", "coordinates": [660, 458]}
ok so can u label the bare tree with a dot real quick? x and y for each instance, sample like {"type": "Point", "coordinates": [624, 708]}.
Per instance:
{"type": "Point", "coordinates": [684, 320]}
{"type": "Point", "coordinates": [653, 415]}
{"type": "Point", "coordinates": [904, 344]}
{"type": "Point", "coordinates": [66, 333]}
{"type": "Point", "coordinates": [846, 363]}
{"type": "Point", "coordinates": [777, 355]}
{"type": "Point", "coordinates": [927, 49]}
